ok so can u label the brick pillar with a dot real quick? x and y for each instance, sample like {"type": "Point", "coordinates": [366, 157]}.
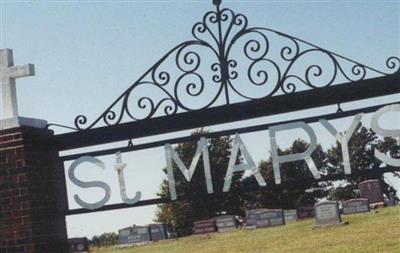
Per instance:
{"type": "Point", "coordinates": [32, 193]}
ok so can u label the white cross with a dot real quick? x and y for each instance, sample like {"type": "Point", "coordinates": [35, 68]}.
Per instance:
{"type": "Point", "coordinates": [9, 72]}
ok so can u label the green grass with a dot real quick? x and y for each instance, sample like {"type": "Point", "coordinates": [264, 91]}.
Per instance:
{"type": "Point", "coordinates": [374, 232]}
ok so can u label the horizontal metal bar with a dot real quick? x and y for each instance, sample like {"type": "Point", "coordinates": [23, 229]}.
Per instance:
{"type": "Point", "coordinates": [219, 133]}
{"type": "Point", "coordinates": [374, 173]}
{"type": "Point", "coordinates": [302, 100]}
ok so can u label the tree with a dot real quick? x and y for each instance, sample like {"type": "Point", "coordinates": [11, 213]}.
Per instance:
{"type": "Point", "coordinates": [105, 239]}
{"type": "Point", "coordinates": [180, 215]}
{"type": "Point", "coordinates": [299, 187]}
{"type": "Point", "coordinates": [362, 146]}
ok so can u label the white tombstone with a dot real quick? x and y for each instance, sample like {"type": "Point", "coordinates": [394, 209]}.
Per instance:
{"type": "Point", "coordinates": [9, 117]}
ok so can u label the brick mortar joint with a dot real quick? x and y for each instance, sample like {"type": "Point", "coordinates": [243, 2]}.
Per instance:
{"type": "Point", "coordinates": [11, 134]}
{"type": "Point", "coordinates": [12, 147]}
{"type": "Point", "coordinates": [11, 141]}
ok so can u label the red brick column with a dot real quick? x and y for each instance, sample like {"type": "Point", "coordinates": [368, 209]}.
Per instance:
{"type": "Point", "coordinates": [32, 193]}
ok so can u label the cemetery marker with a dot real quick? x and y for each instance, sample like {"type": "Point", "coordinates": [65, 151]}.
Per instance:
{"type": "Point", "coordinates": [372, 190]}
{"type": "Point", "coordinates": [351, 206]}
{"type": "Point", "coordinates": [327, 213]}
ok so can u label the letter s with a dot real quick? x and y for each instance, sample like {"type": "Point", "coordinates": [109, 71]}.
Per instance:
{"type": "Point", "coordinates": [385, 133]}
{"type": "Point", "coordinates": [83, 184]}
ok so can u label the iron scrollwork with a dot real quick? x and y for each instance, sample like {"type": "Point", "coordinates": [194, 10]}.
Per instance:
{"type": "Point", "coordinates": [225, 53]}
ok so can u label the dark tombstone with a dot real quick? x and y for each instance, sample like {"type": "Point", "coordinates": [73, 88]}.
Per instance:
{"type": "Point", "coordinates": [372, 190]}
{"type": "Point", "coordinates": [204, 227]}
{"type": "Point", "coordinates": [305, 212]}
{"type": "Point", "coordinates": [251, 218]}
{"type": "Point", "coordinates": [391, 201]}
{"type": "Point", "coordinates": [250, 186]}
{"type": "Point", "coordinates": [226, 223]}
{"type": "Point", "coordinates": [327, 213]}
{"type": "Point", "coordinates": [172, 235]}
{"type": "Point", "coordinates": [78, 245]}
{"type": "Point", "coordinates": [158, 232]}
{"type": "Point", "coordinates": [123, 235]}
{"type": "Point", "coordinates": [290, 215]}
{"type": "Point", "coordinates": [270, 218]}
{"type": "Point", "coordinates": [355, 206]}
{"type": "Point", "coordinates": [261, 218]}
{"type": "Point", "coordinates": [134, 235]}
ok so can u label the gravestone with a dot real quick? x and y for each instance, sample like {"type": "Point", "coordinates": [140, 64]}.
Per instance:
{"type": "Point", "coordinates": [305, 212]}
{"type": "Point", "coordinates": [290, 215]}
{"type": "Point", "coordinates": [225, 223]}
{"type": "Point", "coordinates": [391, 201]}
{"type": "Point", "coordinates": [251, 217]}
{"type": "Point", "coordinates": [204, 227]}
{"type": "Point", "coordinates": [134, 235]}
{"type": "Point", "coordinates": [78, 245]}
{"type": "Point", "coordinates": [327, 213]}
{"type": "Point", "coordinates": [355, 206]}
{"type": "Point", "coordinates": [270, 218]}
{"type": "Point", "coordinates": [261, 218]}
{"type": "Point", "coordinates": [372, 190]}
{"type": "Point", "coordinates": [250, 186]}
{"type": "Point", "coordinates": [158, 232]}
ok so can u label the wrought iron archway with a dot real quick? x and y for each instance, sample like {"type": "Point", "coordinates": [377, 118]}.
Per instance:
{"type": "Point", "coordinates": [223, 33]}
{"type": "Point", "coordinates": [284, 83]}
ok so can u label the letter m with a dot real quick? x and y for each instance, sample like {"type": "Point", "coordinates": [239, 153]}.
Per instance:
{"type": "Point", "coordinates": [171, 156]}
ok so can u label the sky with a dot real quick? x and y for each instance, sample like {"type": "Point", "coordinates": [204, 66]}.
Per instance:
{"type": "Point", "coordinates": [86, 53]}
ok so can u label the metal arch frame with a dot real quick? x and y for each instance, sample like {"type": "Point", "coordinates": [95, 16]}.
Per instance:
{"type": "Point", "coordinates": [230, 113]}
{"type": "Point", "coordinates": [316, 87]}
{"type": "Point", "coordinates": [222, 33]}
{"type": "Point", "coordinates": [249, 129]}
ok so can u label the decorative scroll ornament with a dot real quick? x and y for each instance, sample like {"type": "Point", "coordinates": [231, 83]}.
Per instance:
{"type": "Point", "coordinates": [229, 62]}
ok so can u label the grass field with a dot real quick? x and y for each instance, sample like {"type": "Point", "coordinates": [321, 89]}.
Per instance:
{"type": "Point", "coordinates": [377, 231]}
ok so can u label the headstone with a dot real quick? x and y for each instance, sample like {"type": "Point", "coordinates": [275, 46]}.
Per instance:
{"type": "Point", "coordinates": [226, 223]}
{"type": "Point", "coordinates": [355, 206]}
{"type": "Point", "coordinates": [250, 186]}
{"type": "Point", "coordinates": [251, 217]}
{"type": "Point", "coordinates": [270, 218]}
{"type": "Point", "coordinates": [158, 232]}
{"type": "Point", "coordinates": [290, 215]}
{"type": "Point", "coordinates": [78, 245]}
{"type": "Point", "coordinates": [391, 201]}
{"type": "Point", "coordinates": [372, 190]}
{"type": "Point", "coordinates": [305, 212]}
{"type": "Point", "coordinates": [204, 227]}
{"type": "Point", "coordinates": [261, 218]}
{"type": "Point", "coordinates": [134, 235]}
{"type": "Point", "coordinates": [327, 213]}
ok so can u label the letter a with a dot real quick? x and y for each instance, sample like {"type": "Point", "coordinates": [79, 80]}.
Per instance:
{"type": "Point", "coordinates": [251, 166]}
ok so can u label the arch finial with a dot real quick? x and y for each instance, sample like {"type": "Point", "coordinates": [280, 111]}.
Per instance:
{"type": "Point", "coordinates": [217, 2]}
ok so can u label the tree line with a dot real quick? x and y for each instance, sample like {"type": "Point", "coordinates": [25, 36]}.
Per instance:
{"type": "Point", "coordinates": [244, 192]}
